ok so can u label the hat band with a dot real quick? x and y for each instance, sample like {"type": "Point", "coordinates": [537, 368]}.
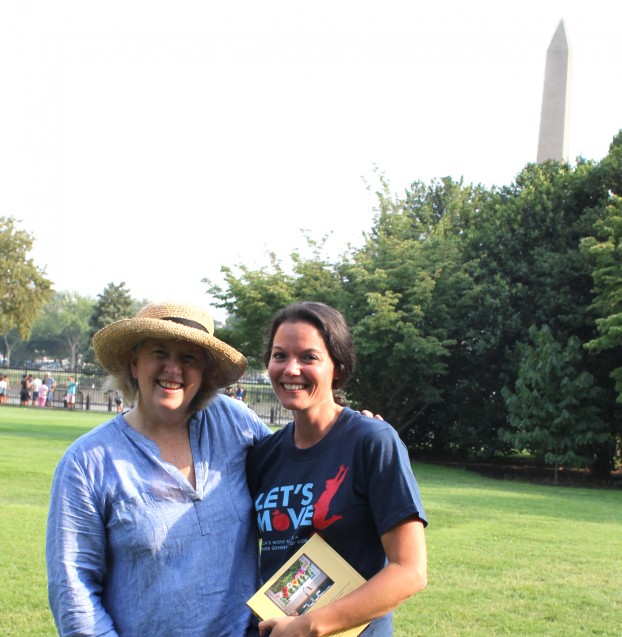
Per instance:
{"type": "Point", "coordinates": [186, 322]}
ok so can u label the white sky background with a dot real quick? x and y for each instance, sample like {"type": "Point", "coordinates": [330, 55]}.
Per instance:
{"type": "Point", "coordinates": [151, 142]}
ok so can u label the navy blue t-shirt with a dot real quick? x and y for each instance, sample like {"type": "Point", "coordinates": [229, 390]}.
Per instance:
{"type": "Point", "coordinates": [351, 487]}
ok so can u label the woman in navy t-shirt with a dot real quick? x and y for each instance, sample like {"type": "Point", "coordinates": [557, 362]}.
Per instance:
{"type": "Point", "coordinates": [335, 472]}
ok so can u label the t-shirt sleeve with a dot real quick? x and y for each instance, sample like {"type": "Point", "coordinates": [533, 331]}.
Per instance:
{"type": "Point", "coordinates": [393, 490]}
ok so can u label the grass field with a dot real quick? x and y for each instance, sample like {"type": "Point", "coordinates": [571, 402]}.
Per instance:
{"type": "Point", "coordinates": [505, 558]}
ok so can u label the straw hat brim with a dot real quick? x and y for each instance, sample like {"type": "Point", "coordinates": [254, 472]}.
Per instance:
{"type": "Point", "coordinates": [114, 343]}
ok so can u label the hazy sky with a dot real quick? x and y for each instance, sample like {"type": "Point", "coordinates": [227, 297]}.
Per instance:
{"type": "Point", "coordinates": [152, 142]}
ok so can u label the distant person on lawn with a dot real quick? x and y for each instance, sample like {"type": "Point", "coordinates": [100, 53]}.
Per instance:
{"type": "Point", "coordinates": [72, 388]}
{"type": "Point", "coordinates": [51, 385]}
{"type": "Point", "coordinates": [43, 395]}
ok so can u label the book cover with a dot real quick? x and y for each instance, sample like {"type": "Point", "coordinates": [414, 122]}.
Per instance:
{"type": "Point", "coordinates": [314, 576]}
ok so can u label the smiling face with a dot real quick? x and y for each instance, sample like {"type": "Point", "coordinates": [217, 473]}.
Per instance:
{"type": "Point", "coordinates": [300, 367]}
{"type": "Point", "coordinates": [169, 375]}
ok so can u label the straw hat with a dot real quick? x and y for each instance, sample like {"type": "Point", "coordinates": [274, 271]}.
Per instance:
{"type": "Point", "coordinates": [114, 343]}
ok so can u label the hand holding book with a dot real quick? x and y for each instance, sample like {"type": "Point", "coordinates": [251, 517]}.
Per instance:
{"type": "Point", "coordinates": [313, 577]}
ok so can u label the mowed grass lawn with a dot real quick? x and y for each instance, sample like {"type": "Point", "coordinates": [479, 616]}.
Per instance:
{"type": "Point", "coordinates": [505, 558]}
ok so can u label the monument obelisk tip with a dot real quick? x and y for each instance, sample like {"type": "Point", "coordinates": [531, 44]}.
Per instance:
{"type": "Point", "coordinates": [554, 118]}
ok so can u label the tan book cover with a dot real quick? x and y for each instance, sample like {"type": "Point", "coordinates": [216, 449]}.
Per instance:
{"type": "Point", "coordinates": [314, 576]}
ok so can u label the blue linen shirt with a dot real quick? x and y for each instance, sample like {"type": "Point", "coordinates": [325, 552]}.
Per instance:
{"type": "Point", "coordinates": [133, 549]}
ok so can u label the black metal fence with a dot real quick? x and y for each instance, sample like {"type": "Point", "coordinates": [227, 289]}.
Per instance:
{"type": "Point", "coordinates": [93, 395]}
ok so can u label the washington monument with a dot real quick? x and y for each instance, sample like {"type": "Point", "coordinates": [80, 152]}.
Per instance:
{"type": "Point", "coordinates": [553, 142]}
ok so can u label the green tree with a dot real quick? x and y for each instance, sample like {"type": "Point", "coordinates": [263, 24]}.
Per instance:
{"type": "Point", "coordinates": [250, 298]}
{"type": "Point", "coordinates": [523, 253]}
{"type": "Point", "coordinates": [113, 304]}
{"type": "Point", "coordinates": [552, 411]}
{"type": "Point", "coordinates": [408, 287]}
{"type": "Point", "coordinates": [606, 251]}
{"type": "Point", "coordinates": [316, 278]}
{"type": "Point", "coordinates": [12, 342]}
{"type": "Point", "coordinates": [24, 287]}
{"type": "Point", "coordinates": [528, 237]}
{"type": "Point", "coordinates": [443, 293]}
{"type": "Point", "coordinates": [62, 327]}
{"type": "Point", "coordinates": [608, 173]}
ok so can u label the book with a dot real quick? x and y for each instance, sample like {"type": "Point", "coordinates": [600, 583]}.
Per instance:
{"type": "Point", "coordinates": [314, 576]}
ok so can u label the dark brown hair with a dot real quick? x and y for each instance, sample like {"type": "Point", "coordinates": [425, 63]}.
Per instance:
{"type": "Point", "coordinates": [332, 328]}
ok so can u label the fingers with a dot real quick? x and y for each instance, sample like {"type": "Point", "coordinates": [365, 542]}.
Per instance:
{"type": "Point", "coordinates": [369, 414]}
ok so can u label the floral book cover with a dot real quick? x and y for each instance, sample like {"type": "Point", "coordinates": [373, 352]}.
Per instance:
{"type": "Point", "coordinates": [314, 576]}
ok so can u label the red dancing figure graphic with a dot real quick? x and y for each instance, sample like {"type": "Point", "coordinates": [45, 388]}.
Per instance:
{"type": "Point", "coordinates": [320, 509]}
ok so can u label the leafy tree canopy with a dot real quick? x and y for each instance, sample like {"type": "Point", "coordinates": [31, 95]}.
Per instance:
{"type": "Point", "coordinates": [605, 248]}
{"type": "Point", "coordinates": [61, 330]}
{"type": "Point", "coordinates": [552, 411]}
{"type": "Point", "coordinates": [443, 293]}
{"type": "Point", "coordinates": [24, 287]}
{"type": "Point", "coordinates": [251, 298]}
{"type": "Point", "coordinates": [113, 304]}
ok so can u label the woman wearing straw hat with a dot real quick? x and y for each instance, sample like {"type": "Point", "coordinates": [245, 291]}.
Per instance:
{"type": "Point", "coordinates": [150, 529]}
